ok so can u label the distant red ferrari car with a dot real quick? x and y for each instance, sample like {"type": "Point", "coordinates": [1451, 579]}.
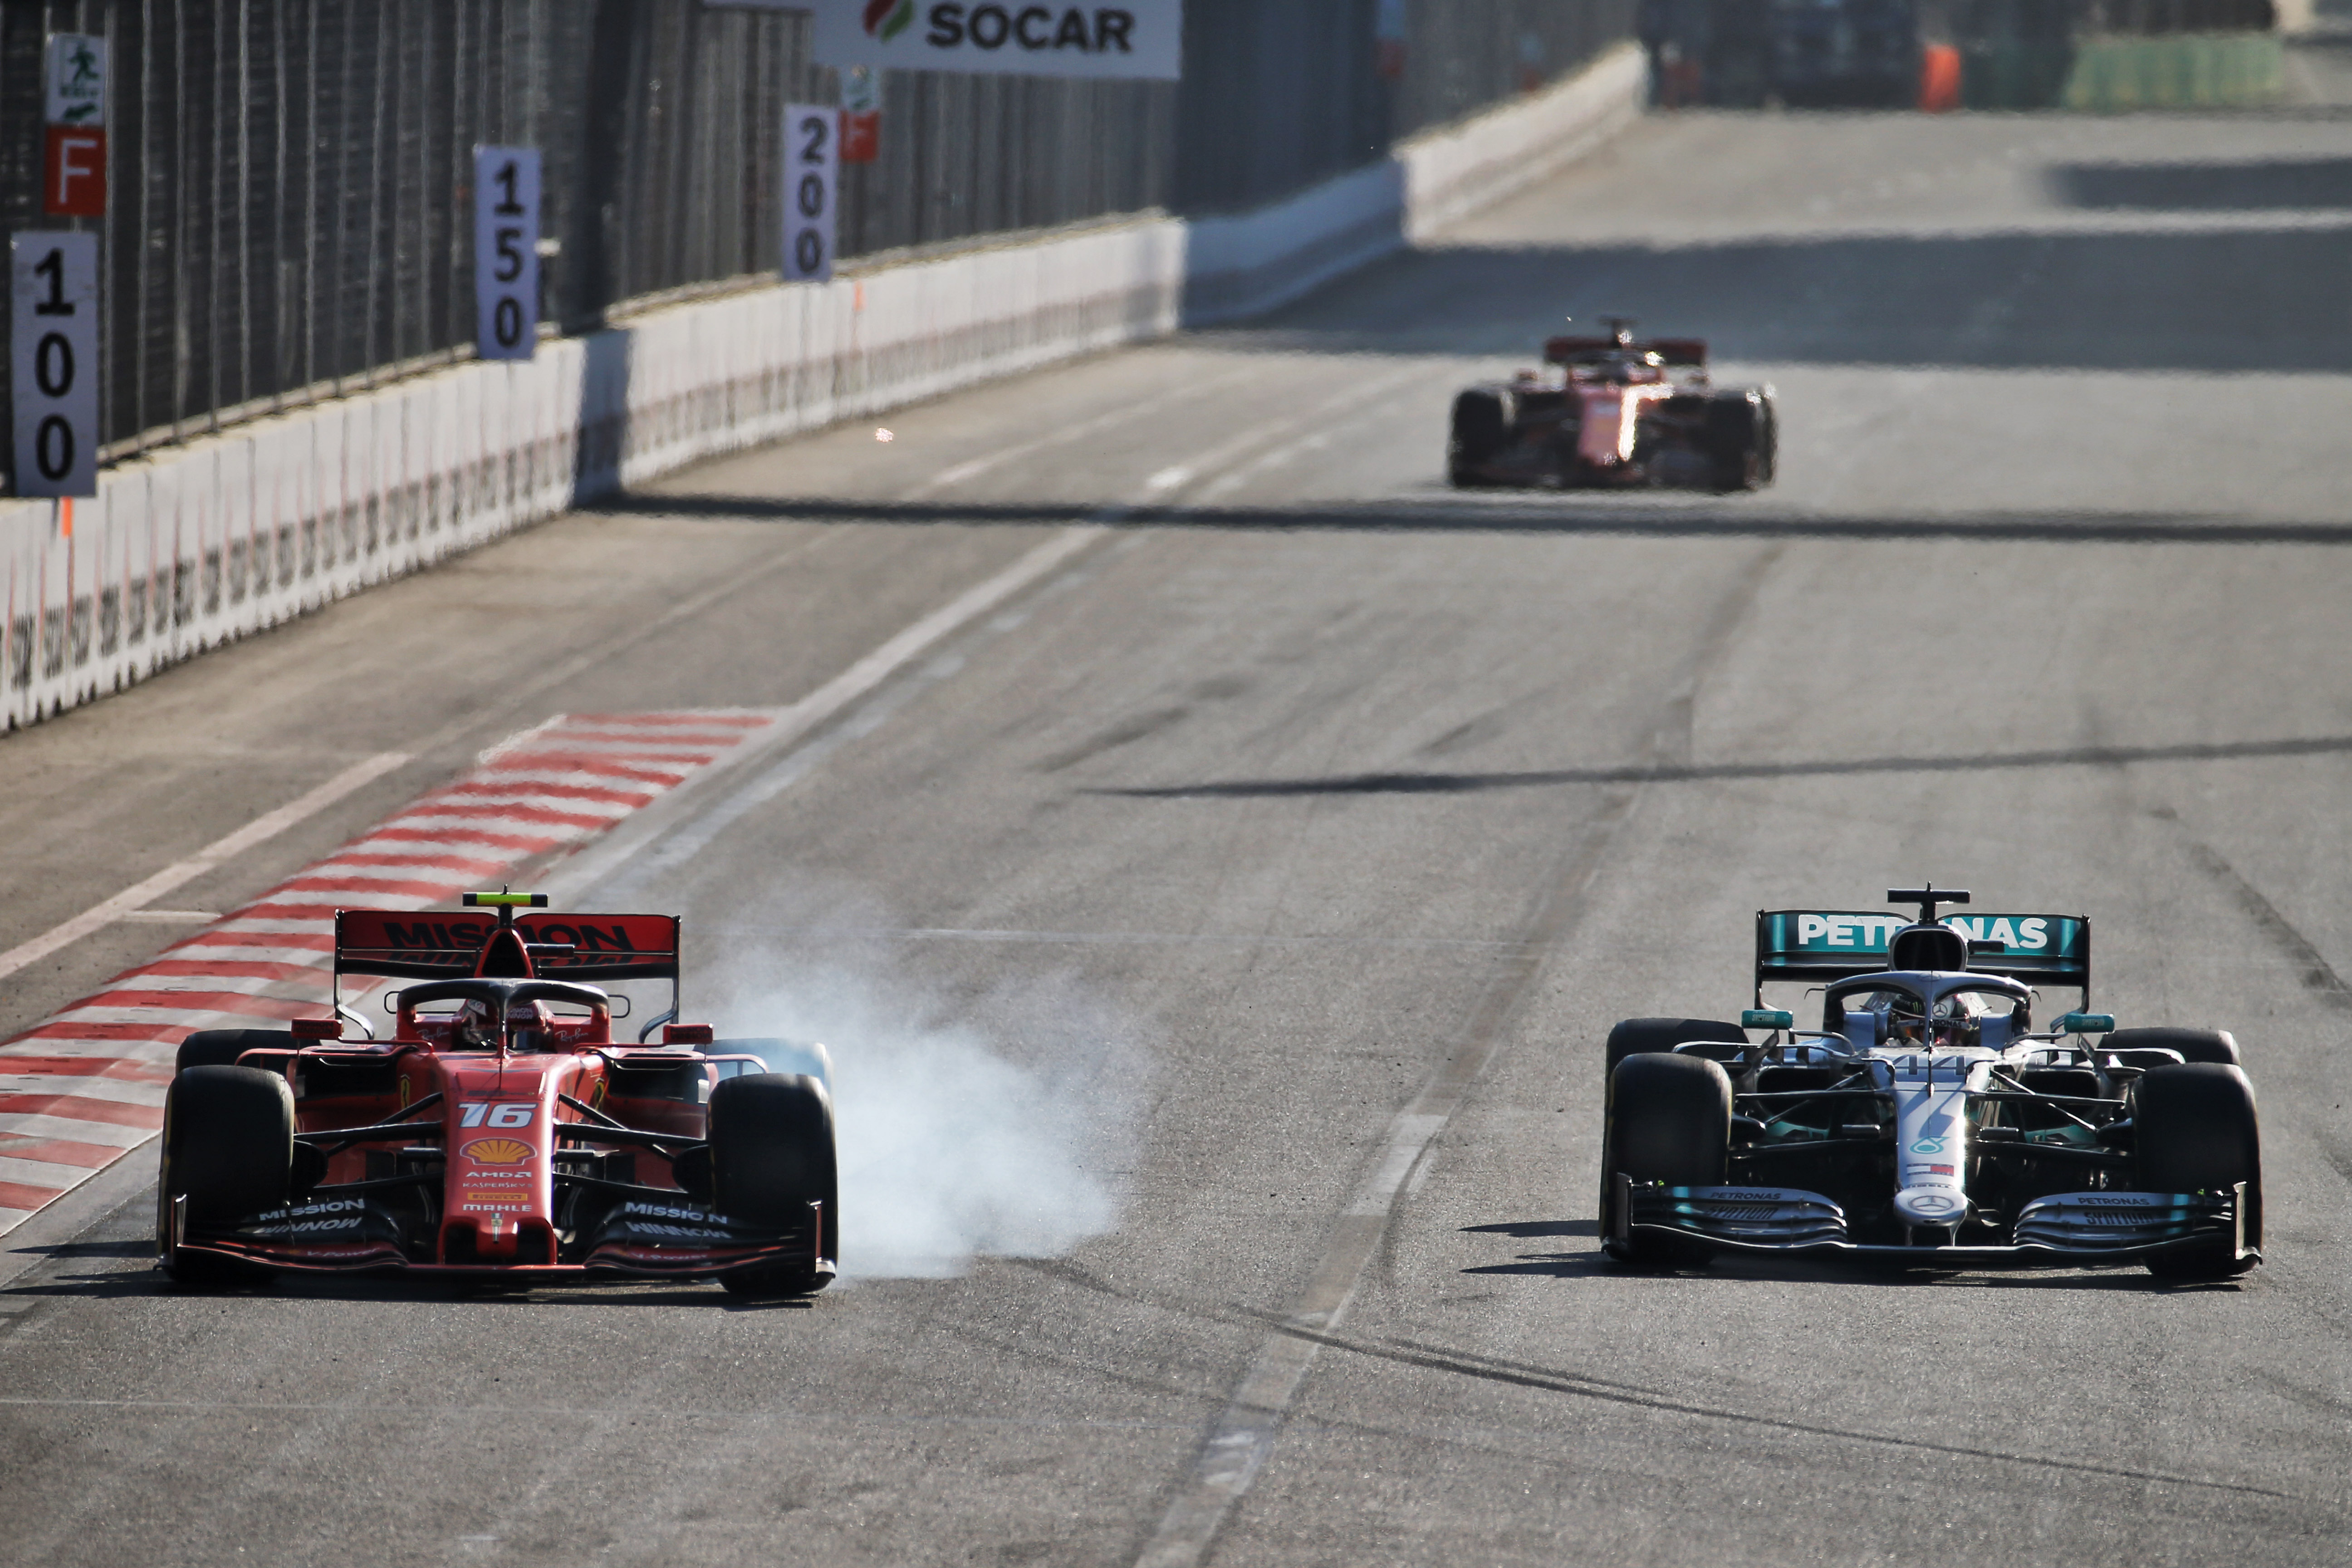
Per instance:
{"type": "Point", "coordinates": [1618, 411]}
{"type": "Point", "coordinates": [502, 1131]}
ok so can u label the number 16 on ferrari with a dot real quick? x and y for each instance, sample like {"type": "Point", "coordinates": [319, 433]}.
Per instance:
{"type": "Point", "coordinates": [506, 251]}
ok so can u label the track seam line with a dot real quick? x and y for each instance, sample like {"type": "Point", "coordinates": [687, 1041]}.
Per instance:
{"type": "Point", "coordinates": [1242, 1440]}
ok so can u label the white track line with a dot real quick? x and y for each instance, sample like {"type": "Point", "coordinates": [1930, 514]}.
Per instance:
{"type": "Point", "coordinates": [261, 829]}
{"type": "Point", "coordinates": [1174, 391]}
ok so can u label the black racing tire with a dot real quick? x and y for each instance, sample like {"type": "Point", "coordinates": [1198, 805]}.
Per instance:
{"type": "Point", "coordinates": [1484, 420]}
{"type": "Point", "coordinates": [1640, 1036]}
{"type": "Point", "coordinates": [2195, 1129]}
{"type": "Point", "coordinates": [1669, 1119]}
{"type": "Point", "coordinates": [771, 1154]}
{"type": "Point", "coordinates": [221, 1048]}
{"type": "Point", "coordinates": [1742, 439]}
{"type": "Point", "coordinates": [229, 1148]}
{"type": "Point", "coordinates": [2217, 1048]}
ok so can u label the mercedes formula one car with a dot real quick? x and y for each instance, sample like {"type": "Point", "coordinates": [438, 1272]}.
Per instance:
{"type": "Point", "coordinates": [1618, 412]}
{"type": "Point", "coordinates": [501, 1132]}
{"type": "Point", "coordinates": [1927, 1121]}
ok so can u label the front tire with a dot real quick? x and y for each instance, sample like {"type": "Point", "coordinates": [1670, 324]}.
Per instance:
{"type": "Point", "coordinates": [1484, 420]}
{"type": "Point", "coordinates": [228, 1149]}
{"type": "Point", "coordinates": [1669, 1121]}
{"type": "Point", "coordinates": [2196, 1131]}
{"type": "Point", "coordinates": [1743, 439]}
{"type": "Point", "coordinates": [1646, 1036]}
{"type": "Point", "coordinates": [771, 1155]}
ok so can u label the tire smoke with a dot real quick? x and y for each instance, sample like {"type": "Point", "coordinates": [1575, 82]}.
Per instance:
{"type": "Point", "coordinates": [973, 1127]}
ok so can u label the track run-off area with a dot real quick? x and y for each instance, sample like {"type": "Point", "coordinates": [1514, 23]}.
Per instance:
{"type": "Point", "coordinates": [1214, 851]}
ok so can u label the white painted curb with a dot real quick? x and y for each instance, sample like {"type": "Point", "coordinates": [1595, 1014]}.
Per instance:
{"type": "Point", "coordinates": [200, 543]}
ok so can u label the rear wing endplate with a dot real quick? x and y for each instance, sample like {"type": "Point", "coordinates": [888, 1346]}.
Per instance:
{"type": "Point", "coordinates": [1836, 944]}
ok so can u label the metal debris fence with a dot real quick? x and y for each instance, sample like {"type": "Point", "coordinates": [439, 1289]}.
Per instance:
{"type": "Point", "coordinates": [289, 213]}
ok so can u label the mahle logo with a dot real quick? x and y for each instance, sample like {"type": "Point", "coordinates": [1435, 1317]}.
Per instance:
{"type": "Point", "coordinates": [885, 19]}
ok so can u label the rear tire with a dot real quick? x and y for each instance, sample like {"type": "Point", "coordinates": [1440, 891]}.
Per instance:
{"type": "Point", "coordinates": [2196, 1131]}
{"type": "Point", "coordinates": [1669, 1121]}
{"type": "Point", "coordinates": [1484, 418]}
{"type": "Point", "coordinates": [221, 1048]}
{"type": "Point", "coordinates": [771, 1155]}
{"type": "Point", "coordinates": [2216, 1046]}
{"type": "Point", "coordinates": [229, 1148]}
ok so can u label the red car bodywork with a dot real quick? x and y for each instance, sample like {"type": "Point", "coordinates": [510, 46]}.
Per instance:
{"type": "Point", "coordinates": [1614, 411]}
{"type": "Point", "coordinates": [557, 1153]}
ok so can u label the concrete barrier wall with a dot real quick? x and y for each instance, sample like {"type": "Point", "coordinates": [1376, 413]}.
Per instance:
{"type": "Point", "coordinates": [1253, 262]}
{"type": "Point", "coordinates": [2187, 70]}
{"type": "Point", "coordinates": [2115, 75]}
{"type": "Point", "coordinates": [197, 544]}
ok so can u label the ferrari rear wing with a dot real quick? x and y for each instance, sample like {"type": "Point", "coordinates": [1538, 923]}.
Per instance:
{"type": "Point", "coordinates": [1837, 944]}
{"type": "Point", "coordinates": [1689, 352]}
{"type": "Point", "coordinates": [435, 945]}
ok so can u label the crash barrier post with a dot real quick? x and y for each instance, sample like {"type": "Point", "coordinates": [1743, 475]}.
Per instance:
{"type": "Point", "coordinates": [1940, 78]}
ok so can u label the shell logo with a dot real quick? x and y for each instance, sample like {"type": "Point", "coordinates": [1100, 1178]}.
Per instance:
{"type": "Point", "coordinates": [497, 1150]}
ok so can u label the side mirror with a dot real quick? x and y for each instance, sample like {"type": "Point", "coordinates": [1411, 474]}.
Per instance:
{"type": "Point", "coordinates": [686, 1035]}
{"type": "Point", "coordinates": [2087, 1023]}
{"type": "Point", "coordinates": [1768, 1018]}
{"type": "Point", "coordinates": [317, 1028]}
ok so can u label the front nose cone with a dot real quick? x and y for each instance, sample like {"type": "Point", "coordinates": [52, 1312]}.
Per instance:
{"type": "Point", "coordinates": [1940, 1207]}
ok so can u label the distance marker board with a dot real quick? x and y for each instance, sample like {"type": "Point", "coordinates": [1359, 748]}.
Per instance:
{"type": "Point", "coordinates": [53, 339]}
{"type": "Point", "coordinates": [506, 252]}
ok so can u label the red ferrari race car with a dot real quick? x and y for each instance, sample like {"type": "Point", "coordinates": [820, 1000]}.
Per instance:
{"type": "Point", "coordinates": [501, 1132]}
{"type": "Point", "coordinates": [1618, 412]}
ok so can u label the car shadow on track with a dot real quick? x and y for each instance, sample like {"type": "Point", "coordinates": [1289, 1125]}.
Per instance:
{"type": "Point", "coordinates": [1679, 515]}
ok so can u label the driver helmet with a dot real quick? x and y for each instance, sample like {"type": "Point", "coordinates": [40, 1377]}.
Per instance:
{"type": "Point", "coordinates": [1904, 1021]}
{"type": "Point", "coordinates": [530, 1022]}
{"type": "Point", "coordinates": [476, 1025]}
{"type": "Point", "coordinates": [1956, 1020]}
{"type": "Point", "coordinates": [531, 1026]}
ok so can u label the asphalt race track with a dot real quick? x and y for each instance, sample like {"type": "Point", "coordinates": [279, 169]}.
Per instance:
{"type": "Point", "coordinates": [1288, 845]}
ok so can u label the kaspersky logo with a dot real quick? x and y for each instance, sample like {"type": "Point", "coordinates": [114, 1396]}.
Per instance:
{"type": "Point", "coordinates": [885, 19]}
